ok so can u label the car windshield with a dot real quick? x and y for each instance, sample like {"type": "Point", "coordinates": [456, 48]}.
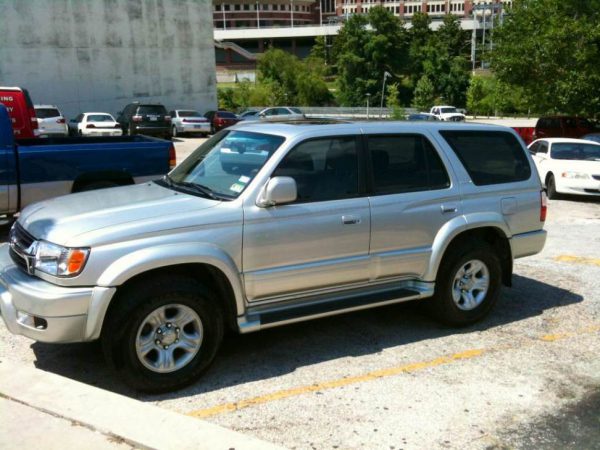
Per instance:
{"type": "Point", "coordinates": [46, 113]}
{"type": "Point", "coordinates": [448, 110]}
{"type": "Point", "coordinates": [100, 118]}
{"type": "Point", "coordinates": [189, 114]}
{"type": "Point", "coordinates": [224, 165]}
{"type": "Point", "coordinates": [592, 137]}
{"type": "Point", "coordinates": [249, 113]}
{"type": "Point", "coordinates": [576, 151]}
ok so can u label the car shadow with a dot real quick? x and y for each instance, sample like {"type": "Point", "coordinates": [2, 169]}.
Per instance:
{"type": "Point", "coordinates": [278, 351]}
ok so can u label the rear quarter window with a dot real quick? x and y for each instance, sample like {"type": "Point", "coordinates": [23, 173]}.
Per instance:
{"type": "Point", "coordinates": [490, 157]}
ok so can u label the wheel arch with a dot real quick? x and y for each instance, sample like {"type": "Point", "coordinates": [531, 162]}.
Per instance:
{"type": "Point", "coordinates": [487, 227]}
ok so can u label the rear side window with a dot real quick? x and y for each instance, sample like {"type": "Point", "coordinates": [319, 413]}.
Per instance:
{"type": "Point", "coordinates": [405, 163]}
{"type": "Point", "coordinates": [490, 157]}
{"type": "Point", "coordinates": [46, 113]}
{"type": "Point", "coordinates": [152, 110]}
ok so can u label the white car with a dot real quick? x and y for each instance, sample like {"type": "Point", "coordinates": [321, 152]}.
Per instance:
{"type": "Point", "coordinates": [51, 122]}
{"type": "Point", "coordinates": [281, 112]}
{"type": "Point", "coordinates": [188, 121]}
{"type": "Point", "coordinates": [95, 124]}
{"type": "Point", "coordinates": [567, 166]}
{"type": "Point", "coordinates": [447, 113]}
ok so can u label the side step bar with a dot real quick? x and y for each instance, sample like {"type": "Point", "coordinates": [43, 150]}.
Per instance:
{"type": "Point", "coordinates": [272, 315]}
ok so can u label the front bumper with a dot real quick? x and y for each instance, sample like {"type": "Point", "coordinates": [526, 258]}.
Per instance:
{"type": "Point", "coordinates": [43, 311]}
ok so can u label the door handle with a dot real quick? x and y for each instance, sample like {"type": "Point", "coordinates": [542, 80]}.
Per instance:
{"type": "Point", "coordinates": [449, 209]}
{"type": "Point", "coordinates": [350, 220]}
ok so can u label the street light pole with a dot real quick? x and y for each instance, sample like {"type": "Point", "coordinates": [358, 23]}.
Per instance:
{"type": "Point", "coordinates": [385, 75]}
{"type": "Point", "coordinates": [257, 15]}
{"type": "Point", "coordinates": [223, 11]}
{"type": "Point", "coordinates": [368, 97]}
{"type": "Point", "coordinates": [292, 11]}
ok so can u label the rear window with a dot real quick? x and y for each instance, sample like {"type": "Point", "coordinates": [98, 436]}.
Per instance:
{"type": "Point", "coordinates": [100, 118]}
{"type": "Point", "coordinates": [189, 114]}
{"type": "Point", "coordinates": [151, 110]}
{"type": "Point", "coordinates": [576, 151]}
{"type": "Point", "coordinates": [226, 115]}
{"type": "Point", "coordinates": [490, 157]}
{"type": "Point", "coordinates": [46, 113]}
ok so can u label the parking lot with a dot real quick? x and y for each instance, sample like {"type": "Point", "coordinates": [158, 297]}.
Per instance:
{"type": "Point", "coordinates": [526, 377]}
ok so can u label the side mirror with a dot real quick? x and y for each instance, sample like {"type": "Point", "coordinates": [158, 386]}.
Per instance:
{"type": "Point", "coordinates": [278, 191]}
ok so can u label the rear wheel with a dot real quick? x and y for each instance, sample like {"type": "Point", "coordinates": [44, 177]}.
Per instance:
{"type": "Point", "coordinates": [468, 284]}
{"type": "Point", "coordinates": [162, 334]}
{"type": "Point", "coordinates": [551, 188]}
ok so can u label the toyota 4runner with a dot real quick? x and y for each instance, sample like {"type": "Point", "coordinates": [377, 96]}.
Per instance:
{"type": "Point", "coordinates": [269, 224]}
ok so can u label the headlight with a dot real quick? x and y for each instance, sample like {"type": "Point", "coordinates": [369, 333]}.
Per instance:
{"type": "Point", "coordinates": [576, 175]}
{"type": "Point", "coordinates": [59, 261]}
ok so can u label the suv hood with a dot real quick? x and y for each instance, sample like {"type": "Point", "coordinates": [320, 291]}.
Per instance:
{"type": "Point", "coordinates": [134, 210]}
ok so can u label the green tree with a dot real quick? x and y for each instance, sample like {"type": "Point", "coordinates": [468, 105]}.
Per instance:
{"type": "Point", "coordinates": [393, 102]}
{"type": "Point", "coordinates": [365, 48]}
{"type": "Point", "coordinates": [424, 94]}
{"type": "Point", "coordinates": [551, 49]}
{"type": "Point", "coordinates": [226, 99]}
{"type": "Point", "coordinates": [420, 36]}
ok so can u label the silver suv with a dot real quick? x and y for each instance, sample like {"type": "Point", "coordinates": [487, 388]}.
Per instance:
{"type": "Point", "coordinates": [267, 224]}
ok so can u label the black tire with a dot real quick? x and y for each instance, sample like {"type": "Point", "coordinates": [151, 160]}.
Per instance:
{"type": "Point", "coordinates": [133, 306]}
{"type": "Point", "coordinates": [442, 305]}
{"type": "Point", "coordinates": [551, 188]}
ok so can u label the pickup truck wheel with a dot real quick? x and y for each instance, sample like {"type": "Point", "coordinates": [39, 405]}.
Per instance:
{"type": "Point", "coordinates": [163, 334]}
{"type": "Point", "coordinates": [467, 286]}
{"type": "Point", "coordinates": [551, 188]}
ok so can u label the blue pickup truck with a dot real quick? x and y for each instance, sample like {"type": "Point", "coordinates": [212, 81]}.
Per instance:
{"type": "Point", "coordinates": [36, 169]}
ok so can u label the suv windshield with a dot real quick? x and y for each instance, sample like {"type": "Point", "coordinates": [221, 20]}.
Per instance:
{"type": "Point", "coordinates": [46, 113]}
{"type": "Point", "coordinates": [583, 152]}
{"type": "Point", "coordinates": [189, 114]}
{"type": "Point", "coordinates": [224, 165]}
{"type": "Point", "coordinates": [151, 110]}
{"type": "Point", "coordinates": [448, 110]}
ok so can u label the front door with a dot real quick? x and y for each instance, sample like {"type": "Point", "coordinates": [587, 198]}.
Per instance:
{"type": "Point", "coordinates": [321, 240]}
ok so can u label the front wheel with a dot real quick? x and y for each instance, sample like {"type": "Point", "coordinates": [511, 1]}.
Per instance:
{"type": "Point", "coordinates": [163, 334]}
{"type": "Point", "coordinates": [468, 284]}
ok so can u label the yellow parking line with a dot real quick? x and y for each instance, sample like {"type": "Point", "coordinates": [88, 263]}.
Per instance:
{"type": "Point", "coordinates": [286, 393]}
{"type": "Point", "coordinates": [578, 260]}
{"type": "Point", "coordinates": [383, 373]}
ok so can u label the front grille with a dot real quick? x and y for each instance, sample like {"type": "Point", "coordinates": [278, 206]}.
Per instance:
{"type": "Point", "coordinates": [596, 177]}
{"type": "Point", "coordinates": [20, 246]}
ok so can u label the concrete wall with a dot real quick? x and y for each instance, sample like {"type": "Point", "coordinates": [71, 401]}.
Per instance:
{"type": "Point", "coordinates": [99, 55]}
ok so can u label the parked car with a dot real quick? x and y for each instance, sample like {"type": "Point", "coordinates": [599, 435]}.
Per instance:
{"type": "Point", "coordinates": [143, 118]}
{"type": "Point", "coordinates": [288, 230]}
{"type": "Point", "coordinates": [567, 166]}
{"type": "Point", "coordinates": [220, 119]}
{"type": "Point", "coordinates": [51, 122]}
{"type": "Point", "coordinates": [562, 126]}
{"type": "Point", "coordinates": [422, 116]}
{"type": "Point", "coordinates": [595, 137]}
{"type": "Point", "coordinates": [249, 115]}
{"type": "Point", "coordinates": [447, 114]}
{"type": "Point", "coordinates": [95, 124]}
{"type": "Point", "coordinates": [35, 169]}
{"type": "Point", "coordinates": [21, 111]}
{"type": "Point", "coordinates": [281, 112]}
{"type": "Point", "coordinates": [188, 121]}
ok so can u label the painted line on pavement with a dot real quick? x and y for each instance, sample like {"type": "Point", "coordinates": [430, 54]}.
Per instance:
{"type": "Point", "coordinates": [578, 260]}
{"type": "Point", "coordinates": [383, 373]}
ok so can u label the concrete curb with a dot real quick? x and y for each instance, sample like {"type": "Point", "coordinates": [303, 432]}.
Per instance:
{"type": "Point", "coordinates": [139, 424]}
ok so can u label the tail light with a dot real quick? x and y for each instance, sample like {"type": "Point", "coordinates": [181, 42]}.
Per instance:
{"type": "Point", "coordinates": [172, 157]}
{"type": "Point", "coordinates": [90, 125]}
{"type": "Point", "coordinates": [60, 120]}
{"type": "Point", "coordinates": [117, 125]}
{"type": "Point", "coordinates": [136, 118]}
{"type": "Point", "coordinates": [543, 206]}
{"type": "Point", "coordinates": [168, 118]}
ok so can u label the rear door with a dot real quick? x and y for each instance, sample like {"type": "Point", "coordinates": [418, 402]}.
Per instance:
{"type": "Point", "coordinates": [413, 196]}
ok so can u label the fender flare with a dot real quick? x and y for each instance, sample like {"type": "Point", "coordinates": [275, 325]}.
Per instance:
{"type": "Point", "coordinates": [144, 260]}
{"type": "Point", "coordinates": [456, 226]}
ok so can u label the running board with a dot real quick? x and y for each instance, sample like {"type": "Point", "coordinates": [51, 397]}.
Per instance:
{"type": "Point", "coordinates": [272, 315]}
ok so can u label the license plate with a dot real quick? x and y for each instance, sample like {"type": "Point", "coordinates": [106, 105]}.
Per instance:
{"type": "Point", "coordinates": [153, 118]}
{"type": "Point", "coordinates": [197, 126]}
